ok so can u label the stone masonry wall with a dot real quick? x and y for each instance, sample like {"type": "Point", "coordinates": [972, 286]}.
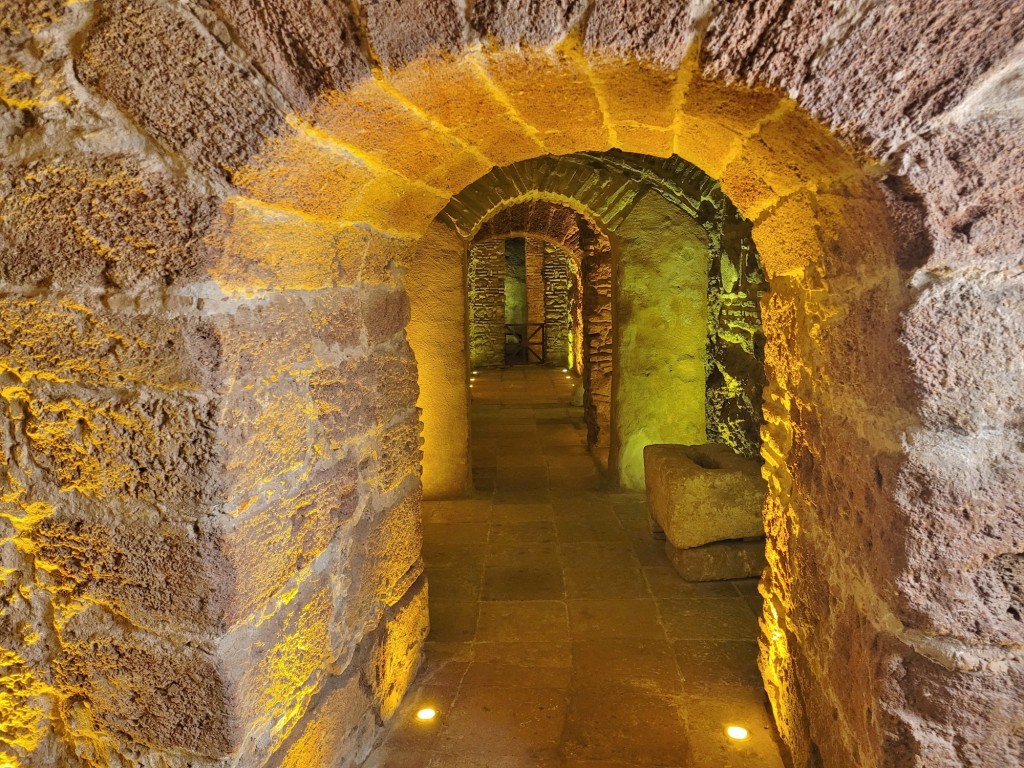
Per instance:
{"type": "Point", "coordinates": [209, 493]}
{"type": "Point", "coordinates": [558, 291]}
{"type": "Point", "coordinates": [487, 304]}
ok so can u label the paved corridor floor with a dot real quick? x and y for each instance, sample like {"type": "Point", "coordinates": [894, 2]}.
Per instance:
{"type": "Point", "coordinates": [560, 635]}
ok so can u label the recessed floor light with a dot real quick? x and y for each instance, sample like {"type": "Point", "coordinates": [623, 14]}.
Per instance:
{"type": "Point", "coordinates": [737, 733]}
{"type": "Point", "coordinates": [427, 713]}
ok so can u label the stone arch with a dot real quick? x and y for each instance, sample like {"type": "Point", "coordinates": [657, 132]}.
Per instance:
{"type": "Point", "coordinates": [892, 440]}
{"type": "Point", "coordinates": [618, 192]}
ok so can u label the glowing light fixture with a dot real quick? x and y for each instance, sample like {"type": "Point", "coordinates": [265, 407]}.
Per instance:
{"type": "Point", "coordinates": [737, 733]}
{"type": "Point", "coordinates": [427, 713]}
{"type": "Point", "coordinates": [565, 370]}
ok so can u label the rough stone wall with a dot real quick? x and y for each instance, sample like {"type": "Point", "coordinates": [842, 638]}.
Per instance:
{"type": "Point", "coordinates": [209, 499]}
{"type": "Point", "coordinates": [487, 304]}
{"type": "Point", "coordinates": [892, 633]}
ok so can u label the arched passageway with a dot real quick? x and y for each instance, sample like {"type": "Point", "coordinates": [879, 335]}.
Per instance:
{"type": "Point", "coordinates": [219, 240]}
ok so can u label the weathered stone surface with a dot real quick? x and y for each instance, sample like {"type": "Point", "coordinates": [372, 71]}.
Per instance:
{"type": "Point", "coordinates": [397, 649]}
{"type": "Point", "coordinates": [703, 493]}
{"type": "Point", "coordinates": [972, 180]}
{"type": "Point", "coordinates": [177, 82]}
{"type": "Point", "coordinates": [849, 82]}
{"type": "Point", "coordinates": [661, 334]}
{"type": "Point", "coordinates": [659, 32]}
{"type": "Point", "coordinates": [720, 561]}
{"type": "Point", "coordinates": [960, 528]}
{"type": "Point", "coordinates": [103, 222]}
{"type": "Point", "coordinates": [517, 22]}
{"type": "Point", "coordinates": [290, 43]}
{"type": "Point", "coordinates": [131, 685]}
{"type": "Point", "coordinates": [962, 340]}
{"type": "Point", "coordinates": [401, 31]}
{"type": "Point", "coordinates": [384, 559]}
{"type": "Point", "coordinates": [479, 116]}
{"type": "Point", "coordinates": [904, 40]}
{"type": "Point", "coordinates": [337, 731]}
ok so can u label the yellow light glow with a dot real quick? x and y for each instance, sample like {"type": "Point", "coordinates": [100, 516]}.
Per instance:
{"type": "Point", "coordinates": [565, 370]}
{"type": "Point", "coordinates": [737, 733]}
{"type": "Point", "coordinates": [427, 713]}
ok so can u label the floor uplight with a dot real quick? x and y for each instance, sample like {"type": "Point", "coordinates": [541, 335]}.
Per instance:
{"type": "Point", "coordinates": [737, 733]}
{"type": "Point", "coordinates": [427, 713]}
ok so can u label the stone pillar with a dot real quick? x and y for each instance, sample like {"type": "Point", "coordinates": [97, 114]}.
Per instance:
{"type": "Point", "coordinates": [661, 333]}
{"type": "Point", "coordinates": [487, 304]}
{"type": "Point", "coordinates": [557, 295]}
{"type": "Point", "coordinates": [598, 352]}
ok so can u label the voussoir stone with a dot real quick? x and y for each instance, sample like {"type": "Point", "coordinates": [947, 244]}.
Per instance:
{"type": "Point", "coordinates": [703, 493]}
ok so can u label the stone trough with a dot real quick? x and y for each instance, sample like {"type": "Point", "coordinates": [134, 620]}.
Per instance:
{"type": "Point", "coordinates": [705, 501]}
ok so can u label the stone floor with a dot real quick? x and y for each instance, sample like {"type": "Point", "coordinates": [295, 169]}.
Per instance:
{"type": "Point", "coordinates": [560, 635]}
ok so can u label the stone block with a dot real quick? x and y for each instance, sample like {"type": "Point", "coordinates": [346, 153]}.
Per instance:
{"type": "Point", "coordinates": [479, 116]}
{"type": "Point", "coordinates": [543, 89]}
{"type": "Point", "coordinates": [288, 42]}
{"type": "Point", "coordinates": [397, 650]}
{"type": "Point", "coordinates": [703, 493]}
{"type": "Point", "coordinates": [338, 730]}
{"type": "Point", "coordinates": [376, 122]}
{"type": "Point", "coordinates": [971, 176]}
{"type": "Point", "coordinates": [188, 579]}
{"type": "Point", "coordinates": [129, 685]}
{"type": "Point", "coordinates": [963, 335]}
{"type": "Point", "coordinates": [173, 78]}
{"type": "Point", "coordinates": [387, 545]}
{"type": "Point", "coordinates": [720, 561]}
{"type": "Point", "coordinates": [306, 175]}
{"type": "Point", "coordinates": [401, 31]}
{"type": "Point", "coordinates": [102, 221]}
{"type": "Point", "coordinates": [262, 247]}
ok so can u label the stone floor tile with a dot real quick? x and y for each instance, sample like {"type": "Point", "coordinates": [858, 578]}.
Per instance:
{"type": "Point", "coordinates": [453, 622]}
{"type": "Point", "coordinates": [457, 511]}
{"type": "Point", "coordinates": [717, 619]}
{"type": "Point", "coordinates": [598, 583]}
{"type": "Point", "coordinates": [663, 581]}
{"type": "Point", "coordinates": [599, 554]}
{"type": "Point", "coordinates": [632, 665]}
{"type": "Point", "coordinates": [515, 722]}
{"type": "Point", "coordinates": [707, 665]}
{"type": "Point", "coordinates": [502, 582]}
{"type": "Point", "coordinates": [610, 619]}
{"type": "Point", "coordinates": [531, 654]}
{"type": "Point", "coordinates": [460, 583]}
{"type": "Point", "coordinates": [527, 621]}
{"type": "Point", "coordinates": [526, 532]}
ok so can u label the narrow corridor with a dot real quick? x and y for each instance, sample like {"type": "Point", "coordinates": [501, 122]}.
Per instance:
{"type": "Point", "coordinates": [560, 635]}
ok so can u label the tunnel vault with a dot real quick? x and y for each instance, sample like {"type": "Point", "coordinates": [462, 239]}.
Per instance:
{"type": "Point", "coordinates": [688, 341]}
{"type": "Point", "coordinates": [220, 245]}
